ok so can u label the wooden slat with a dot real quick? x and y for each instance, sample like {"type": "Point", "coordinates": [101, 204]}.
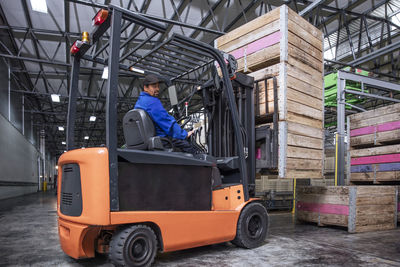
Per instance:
{"type": "Point", "coordinates": [293, 117]}
{"type": "Point", "coordinates": [314, 77]}
{"type": "Point", "coordinates": [304, 57]}
{"type": "Point", "coordinates": [375, 219]}
{"type": "Point", "coordinates": [307, 27]}
{"type": "Point", "coordinates": [374, 120]}
{"type": "Point", "coordinates": [303, 153]}
{"type": "Point", "coordinates": [305, 46]}
{"type": "Point", "coordinates": [369, 228]}
{"type": "Point", "coordinates": [375, 113]}
{"type": "Point", "coordinates": [362, 177]}
{"type": "Point", "coordinates": [341, 199]}
{"type": "Point", "coordinates": [303, 164]}
{"type": "Point", "coordinates": [250, 37]}
{"type": "Point", "coordinates": [379, 138]}
{"type": "Point", "coordinates": [388, 176]}
{"type": "Point", "coordinates": [334, 219]}
{"type": "Point", "coordinates": [300, 97]}
{"type": "Point", "coordinates": [317, 43]}
{"type": "Point", "coordinates": [303, 110]}
{"type": "Point", "coordinates": [295, 174]}
{"type": "Point", "coordinates": [325, 190]}
{"type": "Point", "coordinates": [304, 141]}
{"type": "Point", "coordinates": [374, 209]}
{"type": "Point", "coordinates": [373, 151]}
{"type": "Point", "coordinates": [375, 190]}
{"type": "Point", "coordinates": [249, 27]}
{"type": "Point", "coordinates": [300, 129]}
{"type": "Point", "coordinates": [378, 199]}
{"type": "Point", "coordinates": [262, 73]}
{"type": "Point", "coordinates": [298, 80]}
{"type": "Point", "coordinates": [261, 59]}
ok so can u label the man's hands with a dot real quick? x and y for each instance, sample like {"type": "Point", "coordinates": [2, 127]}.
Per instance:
{"type": "Point", "coordinates": [190, 133]}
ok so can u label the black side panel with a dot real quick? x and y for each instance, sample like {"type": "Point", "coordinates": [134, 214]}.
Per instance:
{"type": "Point", "coordinates": [71, 191]}
{"type": "Point", "coordinates": [162, 187]}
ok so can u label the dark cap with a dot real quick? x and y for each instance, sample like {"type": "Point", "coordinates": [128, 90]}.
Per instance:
{"type": "Point", "coordinates": [150, 79]}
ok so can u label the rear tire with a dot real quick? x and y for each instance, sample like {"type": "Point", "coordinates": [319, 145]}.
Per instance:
{"type": "Point", "coordinates": [252, 226]}
{"type": "Point", "coordinates": [135, 245]}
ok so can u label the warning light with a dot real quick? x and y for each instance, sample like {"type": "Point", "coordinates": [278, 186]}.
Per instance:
{"type": "Point", "coordinates": [85, 37]}
{"type": "Point", "coordinates": [75, 47]}
{"type": "Point", "coordinates": [100, 17]}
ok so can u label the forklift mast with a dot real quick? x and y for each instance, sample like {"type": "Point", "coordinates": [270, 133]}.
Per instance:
{"type": "Point", "coordinates": [229, 104]}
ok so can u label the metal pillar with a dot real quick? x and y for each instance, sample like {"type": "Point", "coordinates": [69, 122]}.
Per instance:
{"type": "Point", "coordinates": [111, 107]}
{"type": "Point", "coordinates": [72, 103]}
{"type": "Point", "coordinates": [341, 84]}
{"type": "Point", "coordinates": [43, 155]}
{"type": "Point", "coordinates": [9, 91]}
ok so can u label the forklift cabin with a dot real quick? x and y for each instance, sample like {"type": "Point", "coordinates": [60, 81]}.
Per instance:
{"type": "Point", "coordinates": [133, 202]}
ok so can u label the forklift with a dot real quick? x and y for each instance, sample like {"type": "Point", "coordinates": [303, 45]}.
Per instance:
{"type": "Point", "coordinates": [133, 202]}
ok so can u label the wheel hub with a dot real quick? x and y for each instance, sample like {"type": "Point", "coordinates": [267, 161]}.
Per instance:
{"type": "Point", "coordinates": [254, 226]}
{"type": "Point", "coordinates": [138, 251]}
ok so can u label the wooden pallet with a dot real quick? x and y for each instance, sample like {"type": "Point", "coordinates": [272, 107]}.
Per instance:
{"type": "Point", "coordinates": [375, 145]}
{"type": "Point", "coordinates": [282, 44]}
{"type": "Point", "coordinates": [359, 208]}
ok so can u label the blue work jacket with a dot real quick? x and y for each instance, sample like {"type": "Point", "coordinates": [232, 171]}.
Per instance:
{"type": "Point", "coordinates": [164, 123]}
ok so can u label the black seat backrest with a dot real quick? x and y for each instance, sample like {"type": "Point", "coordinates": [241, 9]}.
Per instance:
{"type": "Point", "coordinates": [139, 131]}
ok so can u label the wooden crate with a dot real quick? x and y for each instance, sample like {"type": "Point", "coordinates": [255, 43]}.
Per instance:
{"type": "Point", "coordinates": [375, 145]}
{"type": "Point", "coordinates": [278, 36]}
{"type": "Point", "coordinates": [282, 44]}
{"type": "Point", "coordinates": [359, 208]}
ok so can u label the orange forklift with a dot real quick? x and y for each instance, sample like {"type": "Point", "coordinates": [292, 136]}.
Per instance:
{"type": "Point", "coordinates": [144, 198]}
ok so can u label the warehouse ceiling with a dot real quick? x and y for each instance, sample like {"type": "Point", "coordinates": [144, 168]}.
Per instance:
{"type": "Point", "coordinates": [359, 33]}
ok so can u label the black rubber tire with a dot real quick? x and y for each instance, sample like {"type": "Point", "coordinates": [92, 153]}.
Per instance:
{"type": "Point", "coordinates": [252, 226]}
{"type": "Point", "coordinates": [136, 237]}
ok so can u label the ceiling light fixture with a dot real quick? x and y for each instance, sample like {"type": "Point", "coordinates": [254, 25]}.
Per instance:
{"type": "Point", "coordinates": [105, 73]}
{"type": "Point", "coordinates": [92, 118]}
{"type": "Point", "coordinates": [136, 70]}
{"type": "Point", "coordinates": [39, 6]}
{"type": "Point", "coordinates": [86, 137]}
{"type": "Point", "coordinates": [55, 98]}
{"type": "Point", "coordinates": [60, 128]}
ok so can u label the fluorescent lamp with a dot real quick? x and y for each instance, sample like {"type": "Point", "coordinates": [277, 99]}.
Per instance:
{"type": "Point", "coordinates": [105, 73]}
{"type": "Point", "coordinates": [136, 70]}
{"type": "Point", "coordinates": [63, 142]}
{"type": "Point", "coordinates": [55, 98]}
{"type": "Point", "coordinates": [86, 137]}
{"type": "Point", "coordinates": [92, 118]}
{"type": "Point", "coordinates": [39, 6]}
{"type": "Point", "coordinates": [60, 128]}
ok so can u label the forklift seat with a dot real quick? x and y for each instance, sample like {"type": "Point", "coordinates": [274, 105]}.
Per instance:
{"type": "Point", "coordinates": [139, 131]}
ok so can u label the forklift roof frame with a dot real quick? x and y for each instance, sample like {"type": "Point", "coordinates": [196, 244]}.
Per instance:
{"type": "Point", "coordinates": [188, 49]}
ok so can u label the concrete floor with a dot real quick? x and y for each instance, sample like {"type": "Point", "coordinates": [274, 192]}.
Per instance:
{"type": "Point", "coordinates": [29, 238]}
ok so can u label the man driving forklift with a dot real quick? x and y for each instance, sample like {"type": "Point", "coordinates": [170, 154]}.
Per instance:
{"type": "Point", "coordinates": [165, 124]}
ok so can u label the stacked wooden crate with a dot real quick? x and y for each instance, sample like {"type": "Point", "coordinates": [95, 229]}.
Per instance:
{"type": "Point", "coordinates": [282, 44]}
{"type": "Point", "coordinates": [359, 208]}
{"type": "Point", "coordinates": [375, 145]}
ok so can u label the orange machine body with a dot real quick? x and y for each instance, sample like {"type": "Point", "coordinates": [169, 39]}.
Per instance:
{"type": "Point", "coordinates": [176, 229]}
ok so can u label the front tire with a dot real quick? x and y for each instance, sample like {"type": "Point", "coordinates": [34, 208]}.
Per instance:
{"type": "Point", "coordinates": [252, 227]}
{"type": "Point", "coordinates": [135, 245]}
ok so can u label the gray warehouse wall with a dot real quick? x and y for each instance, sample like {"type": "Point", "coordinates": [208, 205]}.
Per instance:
{"type": "Point", "coordinates": [18, 162]}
